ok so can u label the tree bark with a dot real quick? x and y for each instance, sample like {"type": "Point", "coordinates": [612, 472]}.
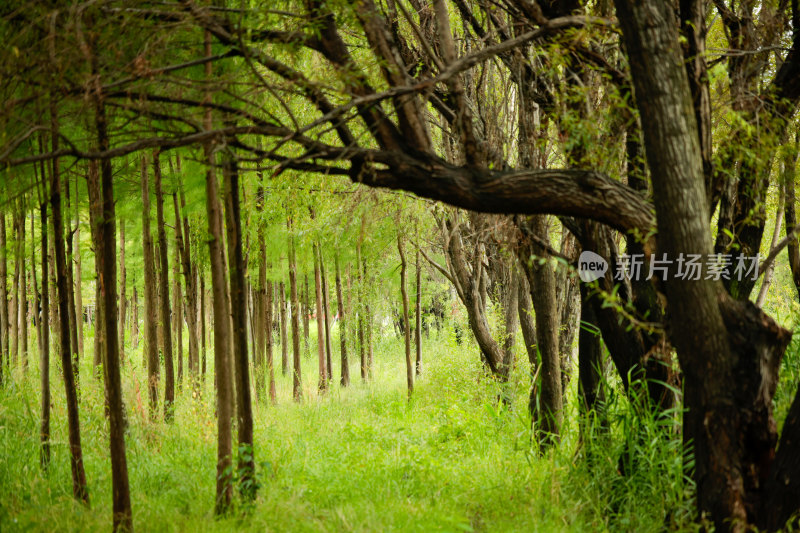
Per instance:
{"type": "Point", "coordinates": [268, 307]}
{"type": "Point", "coordinates": [244, 407]}
{"type": "Point", "coordinates": [150, 308]}
{"type": "Point", "coordinates": [80, 489]}
{"type": "Point", "coordinates": [284, 329]}
{"type": "Point", "coordinates": [297, 384]}
{"type": "Point", "coordinates": [362, 355]}
{"type": "Point", "coordinates": [306, 308]}
{"type": "Point", "coordinates": [44, 344]}
{"type": "Point", "coordinates": [222, 342]}
{"type": "Point", "coordinates": [418, 327]}
{"type": "Point", "coordinates": [323, 375]}
{"type": "Point", "coordinates": [4, 329]}
{"type": "Point", "coordinates": [345, 381]}
{"type": "Point", "coordinates": [326, 314]}
{"type": "Point", "coordinates": [78, 292]}
{"type": "Point", "coordinates": [163, 282]}
{"type": "Point", "coordinates": [106, 255]}
{"type": "Point", "coordinates": [123, 307]}
{"type": "Point", "coordinates": [406, 324]}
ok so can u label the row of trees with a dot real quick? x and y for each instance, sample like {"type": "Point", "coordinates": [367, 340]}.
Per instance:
{"type": "Point", "coordinates": [513, 110]}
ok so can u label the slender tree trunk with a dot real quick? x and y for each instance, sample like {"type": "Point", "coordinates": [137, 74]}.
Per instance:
{"type": "Point", "coordinates": [326, 315]}
{"type": "Point", "coordinates": [262, 328]}
{"type": "Point", "coordinates": [163, 282]}
{"type": "Point", "coordinates": [77, 291]}
{"type": "Point", "coordinates": [150, 304]}
{"type": "Point", "coordinates": [73, 320]}
{"type": "Point", "coordinates": [526, 321]}
{"type": "Point", "coordinates": [297, 383]}
{"type": "Point", "coordinates": [4, 329]}
{"type": "Point", "coordinates": [367, 317]}
{"type": "Point", "coordinates": [284, 329]}
{"type": "Point", "coordinates": [305, 308]}
{"type": "Point", "coordinates": [323, 374]}
{"type": "Point", "coordinates": [37, 322]}
{"type": "Point", "coordinates": [362, 353]}
{"type": "Point", "coordinates": [244, 408]}
{"type": "Point", "coordinates": [44, 350]}
{"type": "Point", "coordinates": [177, 307]}
{"type": "Point", "coordinates": [203, 323]}
{"type": "Point", "coordinates": [222, 342]}
{"type": "Point", "coordinates": [190, 278]}
{"type": "Point", "coordinates": [418, 326]}
{"type": "Point", "coordinates": [23, 297]}
{"type": "Point", "coordinates": [776, 233]}
{"type": "Point", "coordinates": [95, 216]}
{"type": "Point", "coordinates": [268, 307]}
{"type": "Point", "coordinates": [135, 318]}
{"type": "Point", "coordinates": [342, 324]}
{"type": "Point", "coordinates": [13, 313]}
{"type": "Point", "coordinates": [106, 255]}
{"type": "Point", "coordinates": [406, 323]}
{"type": "Point", "coordinates": [123, 308]}
{"type": "Point", "coordinates": [80, 489]}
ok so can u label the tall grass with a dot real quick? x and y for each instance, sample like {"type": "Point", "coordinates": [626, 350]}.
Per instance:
{"type": "Point", "coordinates": [454, 458]}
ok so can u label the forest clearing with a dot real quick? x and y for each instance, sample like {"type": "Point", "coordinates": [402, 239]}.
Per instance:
{"type": "Point", "coordinates": [399, 265]}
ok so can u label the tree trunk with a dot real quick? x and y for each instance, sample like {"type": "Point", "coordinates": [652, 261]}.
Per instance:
{"type": "Point", "coordinates": [190, 278]}
{"type": "Point", "coordinates": [326, 315]}
{"type": "Point", "coordinates": [367, 318]}
{"type": "Point", "coordinates": [222, 342]}
{"type": "Point", "coordinates": [77, 290]}
{"type": "Point", "coordinates": [776, 233]}
{"type": "Point", "coordinates": [244, 407]}
{"type": "Point", "coordinates": [4, 329]}
{"type": "Point", "coordinates": [541, 279]}
{"type": "Point", "coordinates": [177, 304]}
{"type": "Point", "coordinates": [203, 323]}
{"type": "Point", "coordinates": [526, 321]}
{"type": "Point", "coordinates": [135, 318]}
{"type": "Point", "coordinates": [262, 328]}
{"type": "Point", "coordinates": [73, 319]}
{"type": "Point", "coordinates": [268, 307]}
{"type": "Point", "coordinates": [323, 374]}
{"type": "Point", "coordinates": [150, 304]}
{"type": "Point", "coordinates": [123, 307]}
{"type": "Point", "coordinates": [163, 282]}
{"type": "Point", "coordinates": [305, 308]}
{"type": "Point", "coordinates": [284, 329]}
{"type": "Point", "coordinates": [297, 385]}
{"type": "Point", "coordinates": [44, 339]}
{"type": "Point", "coordinates": [106, 255]}
{"type": "Point", "coordinates": [80, 489]}
{"type": "Point", "coordinates": [23, 296]}
{"type": "Point", "coordinates": [345, 381]}
{"type": "Point", "coordinates": [362, 354]}
{"type": "Point", "coordinates": [418, 327]}
{"type": "Point", "coordinates": [13, 314]}
{"type": "Point", "coordinates": [728, 350]}
{"type": "Point", "coordinates": [406, 324]}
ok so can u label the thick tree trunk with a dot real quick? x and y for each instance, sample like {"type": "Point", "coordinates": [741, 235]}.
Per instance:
{"type": "Point", "coordinates": [222, 342]}
{"type": "Point", "coordinates": [150, 349]}
{"type": "Point", "coordinates": [297, 384]}
{"type": "Point", "coordinates": [345, 381]}
{"type": "Point", "coordinates": [406, 324]}
{"type": "Point", "coordinates": [80, 489]}
{"type": "Point", "coordinates": [323, 374]}
{"type": "Point", "coordinates": [541, 279]}
{"type": "Point", "coordinates": [163, 282]}
{"type": "Point", "coordinates": [244, 407]}
{"type": "Point", "coordinates": [590, 355]}
{"type": "Point", "coordinates": [728, 350]}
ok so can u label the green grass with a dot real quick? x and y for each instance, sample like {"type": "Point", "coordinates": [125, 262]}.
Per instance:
{"type": "Point", "coordinates": [358, 459]}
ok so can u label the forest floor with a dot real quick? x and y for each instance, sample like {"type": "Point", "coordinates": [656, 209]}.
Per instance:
{"type": "Point", "coordinates": [364, 458]}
